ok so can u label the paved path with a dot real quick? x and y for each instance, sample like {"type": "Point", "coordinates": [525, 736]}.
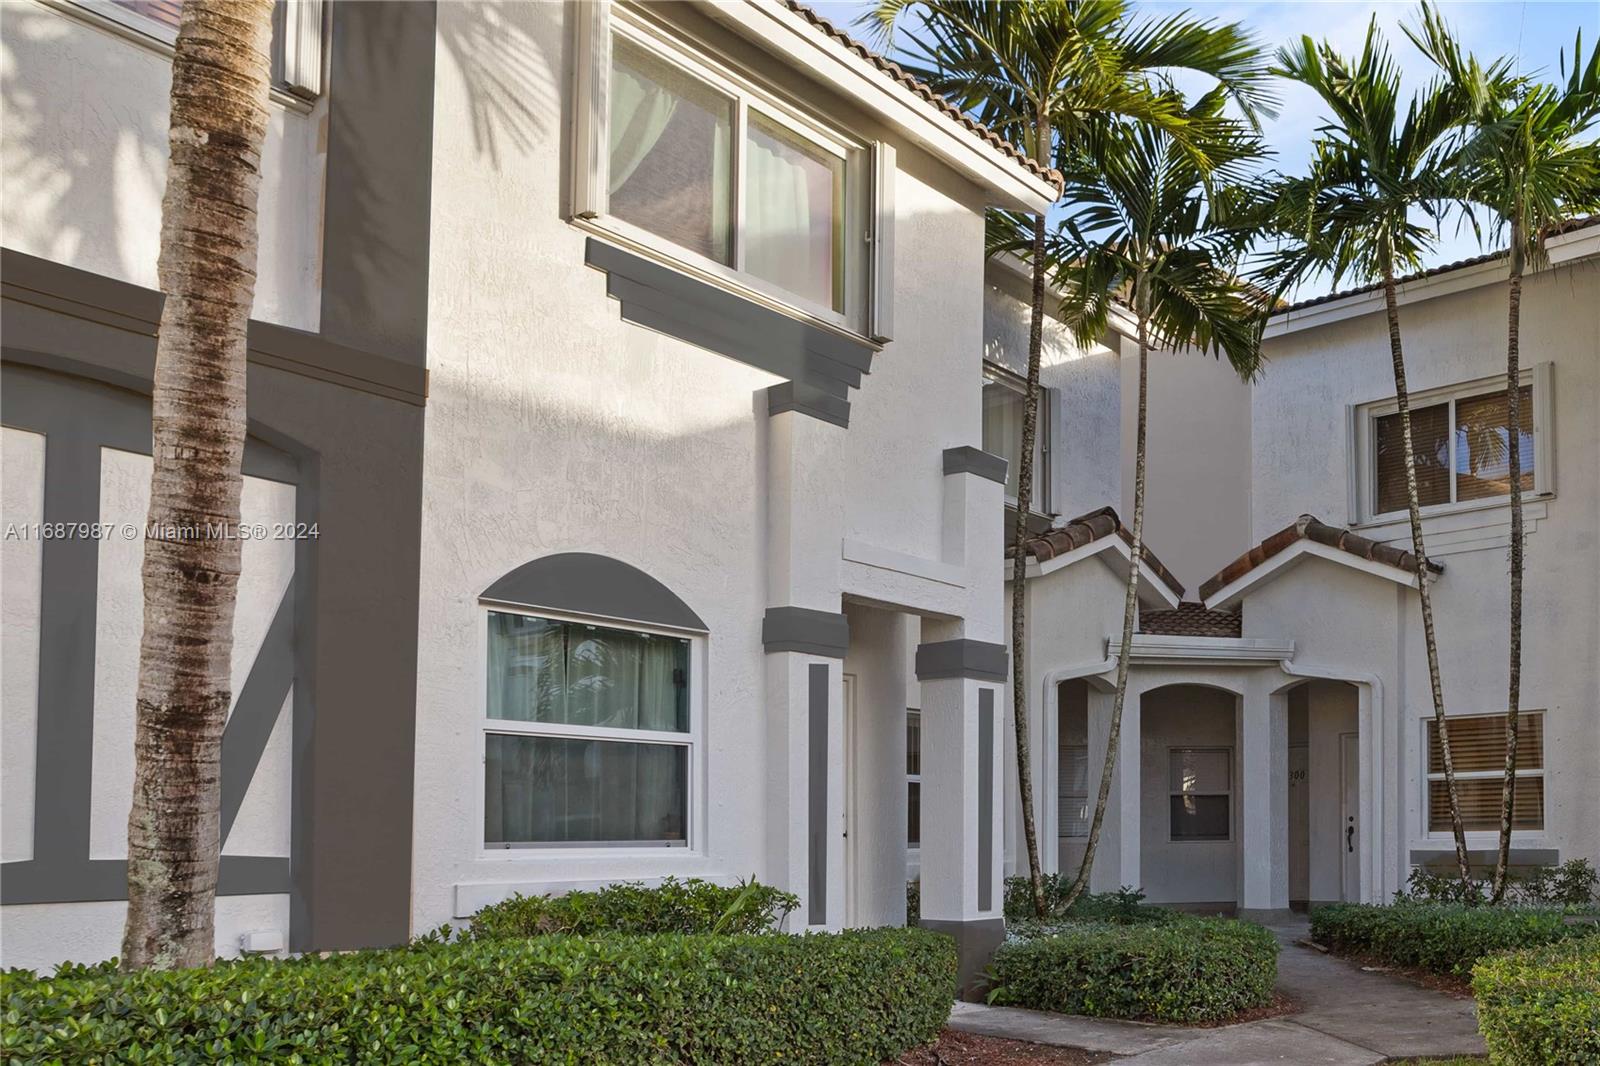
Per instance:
{"type": "Point", "coordinates": [1347, 1017]}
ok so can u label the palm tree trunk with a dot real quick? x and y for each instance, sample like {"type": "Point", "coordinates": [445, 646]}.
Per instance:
{"type": "Point", "coordinates": [220, 72]}
{"type": "Point", "coordinates": [1130, 606]}
{"type": "Point", "coordinates": [1019, 570]}
{"type": "Point", "coordinates": [1414, 506]}
{"type": "Point", "coordinates": [1508, 788]}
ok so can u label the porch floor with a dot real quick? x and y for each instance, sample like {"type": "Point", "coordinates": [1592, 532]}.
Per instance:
{"type": "Point", "coordinates": [1347, 1017]}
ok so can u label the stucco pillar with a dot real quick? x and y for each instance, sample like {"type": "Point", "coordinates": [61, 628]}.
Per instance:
{"type": "Point", "coordinates": [963, 682]}
{"type": "Point", "coordinates": [1264, 805]}
{"type": "Point", "coordinates": [805, 636]}
{"type": "Point", "coordinates": [1117, 857]}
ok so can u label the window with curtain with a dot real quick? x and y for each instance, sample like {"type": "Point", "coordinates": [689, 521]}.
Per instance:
{"type": "Point", "coordinates": [1463, 447]}
{"type": "Point", "coordinates": [1478, 752]}
{"type": "Point", "coordinates": [754, 190]}
{"type": "Point", "coordinates": [587, 735]}
{"type": "Point", "coordinates": [913, 778]}
{"type": "Point", "coordinates": [1201, 788]}
{"type": "Point", "coordinates": [1003, 401]}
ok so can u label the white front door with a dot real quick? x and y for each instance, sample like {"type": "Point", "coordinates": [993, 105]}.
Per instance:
{"type": "Point", "coordinates": [1349, 823]}
{"type": "Point", "coordinates": [848, 828]}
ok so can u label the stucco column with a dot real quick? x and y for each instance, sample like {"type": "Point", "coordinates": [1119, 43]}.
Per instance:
{"type": "Point", "coordinates": [1264, 805]}
{"type": "Point", "coordinates": [805, 636]}
{"type": "Point", "coordinates": [962, 799]}
{"type": "Point", "coordinates": [1117, 857]}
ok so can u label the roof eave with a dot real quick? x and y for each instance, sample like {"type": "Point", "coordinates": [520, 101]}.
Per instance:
{"type": "Point", "coordinates": [1280, 563]}
{"type": "Point", "coordinates": [774, 27]}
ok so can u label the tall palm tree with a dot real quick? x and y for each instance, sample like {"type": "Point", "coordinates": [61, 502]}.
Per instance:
{"type": "Point", "coordinates": [207, 265]}
{"type": "Point", "coordinates": [1153, 228]}
{"type": "Point", "coordinates": [1530, 160]}
{"type": "Point", "coordinates": [1377, 181]}
{"type": "Point", "coordinates": [1043, 74]}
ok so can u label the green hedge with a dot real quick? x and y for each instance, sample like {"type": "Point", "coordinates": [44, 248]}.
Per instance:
{"type": "Point", "coordinates": [1542, 1005]}
{"type": "Point", "coordinates": [1445, 938]}
{"type": "Point", "coordinates": [856, 997]}
{"type": "Point", "coordinates": [673, 906]}
{"type": "Point", "coordinates": [1185, 970]}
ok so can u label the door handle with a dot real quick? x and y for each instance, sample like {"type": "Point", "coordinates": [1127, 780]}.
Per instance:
{"type": "Point", "coordinates": [1350, 838]}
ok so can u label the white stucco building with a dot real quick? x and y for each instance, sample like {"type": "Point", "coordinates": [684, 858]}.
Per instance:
{"type": "Point", "coordinates": [636, 382]}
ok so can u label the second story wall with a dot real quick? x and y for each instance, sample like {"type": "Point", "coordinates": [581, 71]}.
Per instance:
{"type": "Point", "coordinates": [85, 152]}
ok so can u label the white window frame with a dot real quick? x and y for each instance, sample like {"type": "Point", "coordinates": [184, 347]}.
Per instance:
{"type": "Point", "coordinates": [1232, 810]}
{"type": "Point", "coordinates": [915, 779]}
{"type": "Point", "coordinates": [995, 374]}
{"type": "Point", "coordinates": [297, 40]}
{"type": "Point", "coordinates": [1364, 419]}
{"type": "Point", "coordinates": [1428, 777]}
{"type": "Point", "coordinates": [1062, 749]}
{"type": "Point", "coordinates": [868, 175]}
{"type": "Point", "coordinates": [694, 740]}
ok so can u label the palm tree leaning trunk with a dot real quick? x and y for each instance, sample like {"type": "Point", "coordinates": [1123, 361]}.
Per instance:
{"type": "Point", "coordinates": [1508, 787]}
{"type": "Point", "coordinates": [1130, 607]}
{"type": "Point", "coordinates": [220, 74]}
{"type": "Point", "coordinates": [1402, 398]}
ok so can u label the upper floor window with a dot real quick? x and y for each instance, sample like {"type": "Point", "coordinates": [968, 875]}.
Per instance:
{"type": "Point", "coordinates": [1004, 396]}
{"type": "Point", "coordinates": [296, 34]}
{"type": "Point", "coordinates": [689, 161]}
{"type": "Point", "coordinates": [1462, 445]}
{"type": "Point", "coordinates": [588, 737]}
{"type": "Point", "coordinates": [1478, 755]}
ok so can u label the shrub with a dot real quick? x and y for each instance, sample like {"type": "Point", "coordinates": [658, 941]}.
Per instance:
{"type": "Point", "coordinates": [1572, 884]}
{"type": "Point", "coordinates": [1184, 970]}
{"type": "Point", "coordinates": [1444, 938]}
{"type": "Point", "coordinates": [1125, 906]}
{"type": "Point", "coordinates": [855, 997]}
{"type": "Point", "coordinates": [1541, 1005]}
{"type": "Point", "coordinates": [674, 906]}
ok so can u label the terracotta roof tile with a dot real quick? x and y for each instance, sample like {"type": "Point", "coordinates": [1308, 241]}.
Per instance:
{"type": "Point", "coordinates": [1192, 620]}
{"type": "Point", "coordinates": [1086, 529]}
{"type": "Point", "coordinates": [926, 92]}
{"type": "Point", "coordinates": [1568, 226]}
{"type": "Point", "coordinates": [1312, 528]}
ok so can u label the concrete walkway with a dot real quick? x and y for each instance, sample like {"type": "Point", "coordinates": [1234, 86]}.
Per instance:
{"type": "Point", "coordinates": [1347, 1017]}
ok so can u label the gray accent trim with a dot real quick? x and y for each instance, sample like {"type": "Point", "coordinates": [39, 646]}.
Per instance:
{"type": "Point", "coordinates": [595, 585]}
{"type": "Point", "coordinates": [39, 284]}
{"type": "Point", "coordinates": [804, 630]}
{"type": "Point", "coordinates": [825, 363]}
{"type": "Point", "coordinates": [377, 220]}
{"type": "Point", "coordinates": [1265, 915]}
{"type": "Point", "coordinates": [256, 710]}
{"type": "Point", "coordinates": [986, 799]}
{"type": "Point", "coordinates": [1486, 857]}
{"type": "Point", "coordinates": [974, 659]}
{"type": "Point", "coordinates": [806, 400]}
{"type": "Point", "coordinates": [976, 942]}
{"type": "Point", "coordinates": [969, 460]}
{"type": "Point", "coordinates": [817, 794]}
{"type": "Point", "coordinates": [105, 880]}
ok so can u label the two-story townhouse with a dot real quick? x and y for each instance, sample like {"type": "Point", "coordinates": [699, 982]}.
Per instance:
{"type": "Point", "coordinates": [623, 359]}
{"type": "Point", "coordinates": [1277, 745]}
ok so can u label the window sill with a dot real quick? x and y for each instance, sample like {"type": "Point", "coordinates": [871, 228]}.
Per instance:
{"type": "Point", "coordinates": [1460, 527]}
{"type": "Point", "coordinates": [1400, 521]}
{"type": "Point", "coordinates": [644, 244]}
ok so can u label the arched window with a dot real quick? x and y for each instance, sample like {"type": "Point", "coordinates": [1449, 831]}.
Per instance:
{"type": "Point", "coordinates": [591, 724]}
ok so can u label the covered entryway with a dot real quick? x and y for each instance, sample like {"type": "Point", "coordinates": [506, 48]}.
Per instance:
{"type": "Point", "coordinates": [1324, 793]}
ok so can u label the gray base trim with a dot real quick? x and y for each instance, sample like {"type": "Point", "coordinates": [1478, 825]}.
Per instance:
{"type": "Point", "coordinates": [827, 364]}
{"type": "Point", "coordinates": [973, 659]}
{"type": "Point", "coordinates": [817, 795]}
{"type": "Point", "coordinates": [969, 460]}
{"type": "Point", "coordinates": [593, 585]}
{"type": "Point", "coordinates": [976, 942]}
{"type": "Point", "coordinates": [1487, 857]}
{"type": "Point", "coordinates": [802, 398]}
{"type": "Point", "coordinates": [1265, 915]}
{"type": "Point", "coordinates": [805, 630]}
{"type": "Point", "coordinates": [102, 880]}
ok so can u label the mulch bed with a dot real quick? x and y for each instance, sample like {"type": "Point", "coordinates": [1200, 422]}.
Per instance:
{"type": "Point", "coordinates": [1279, 1006]}
{"type": "Point", "coordinates": [954, 1048]}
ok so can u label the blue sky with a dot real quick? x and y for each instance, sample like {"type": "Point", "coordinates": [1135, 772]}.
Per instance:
{"type": "Point", "coordinates": [1535, 31]}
